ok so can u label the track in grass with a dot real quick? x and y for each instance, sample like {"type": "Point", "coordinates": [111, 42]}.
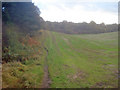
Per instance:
{"type": "Point", "coordinates": [46, 79]}
{"type": "Point", "coordinates": [82, 60]}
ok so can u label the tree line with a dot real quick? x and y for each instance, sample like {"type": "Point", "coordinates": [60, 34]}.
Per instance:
{"type": "Point", "coordinates": [80, 28]}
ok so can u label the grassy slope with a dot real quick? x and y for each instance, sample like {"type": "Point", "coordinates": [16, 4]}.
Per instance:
{"type": "Point", "coordinates": [82, 60]}
{"type": "Point", "coordinates": [73, 61]}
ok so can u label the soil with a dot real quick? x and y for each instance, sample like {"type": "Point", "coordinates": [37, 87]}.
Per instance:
{"type": "Point", "coordinates": [46, 79]}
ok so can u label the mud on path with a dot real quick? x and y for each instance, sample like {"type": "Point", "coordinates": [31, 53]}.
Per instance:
{"type": "Point", "coordinates": [46, 78]}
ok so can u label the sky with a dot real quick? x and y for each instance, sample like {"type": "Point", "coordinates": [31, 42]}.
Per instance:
{"type": "Point", "coordinates": [77, 11]}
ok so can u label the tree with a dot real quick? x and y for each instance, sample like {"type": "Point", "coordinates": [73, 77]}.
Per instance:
{"type": "Point", "coordinates": [24, 14]}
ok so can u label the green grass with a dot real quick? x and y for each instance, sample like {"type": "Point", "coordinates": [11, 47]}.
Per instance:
{"type": "Point", "coordinates": [74, 61]}
{"type": "Point", "coordinates": [82, 60]}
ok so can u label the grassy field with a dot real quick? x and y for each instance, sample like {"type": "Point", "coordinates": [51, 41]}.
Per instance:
{"type": "Point", "coordinates": [82, 61]}
{"type": "Point", "coordinates": [69, 61]}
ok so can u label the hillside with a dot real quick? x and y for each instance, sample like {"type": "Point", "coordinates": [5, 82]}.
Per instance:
{"type": "Point", "coordinates": [67, 61]}
{"type": "Point", "coordinates": [83, 60]}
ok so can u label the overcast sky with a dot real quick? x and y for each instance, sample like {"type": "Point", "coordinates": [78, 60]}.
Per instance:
{"type": "Point", "coordinates": [79, 10]}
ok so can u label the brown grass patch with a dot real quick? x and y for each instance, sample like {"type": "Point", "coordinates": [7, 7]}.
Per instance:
{"type": "Point", "coordinates": [77, 76]}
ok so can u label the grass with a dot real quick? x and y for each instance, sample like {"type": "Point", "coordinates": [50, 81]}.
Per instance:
{"type": "Point", "coordinates": [74, 61]}
{"type": "Point", "coordinates": [82, 60]}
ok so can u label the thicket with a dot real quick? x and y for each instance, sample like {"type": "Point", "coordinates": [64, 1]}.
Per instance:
{"type": "Point", "coordinates": [20, 20]}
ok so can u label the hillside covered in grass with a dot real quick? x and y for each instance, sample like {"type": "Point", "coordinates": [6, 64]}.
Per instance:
{"type": "Point", "coordinates": [83, 60]}
{"type": "Point", "coordinates": [73, 61]}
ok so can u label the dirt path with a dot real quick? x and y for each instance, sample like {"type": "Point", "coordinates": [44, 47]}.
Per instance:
{"type": "Point", "coordinates": [46, 79]}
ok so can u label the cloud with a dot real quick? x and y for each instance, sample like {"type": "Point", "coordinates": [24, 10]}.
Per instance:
{"type": "Point", "coordinates": [76, 11]}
